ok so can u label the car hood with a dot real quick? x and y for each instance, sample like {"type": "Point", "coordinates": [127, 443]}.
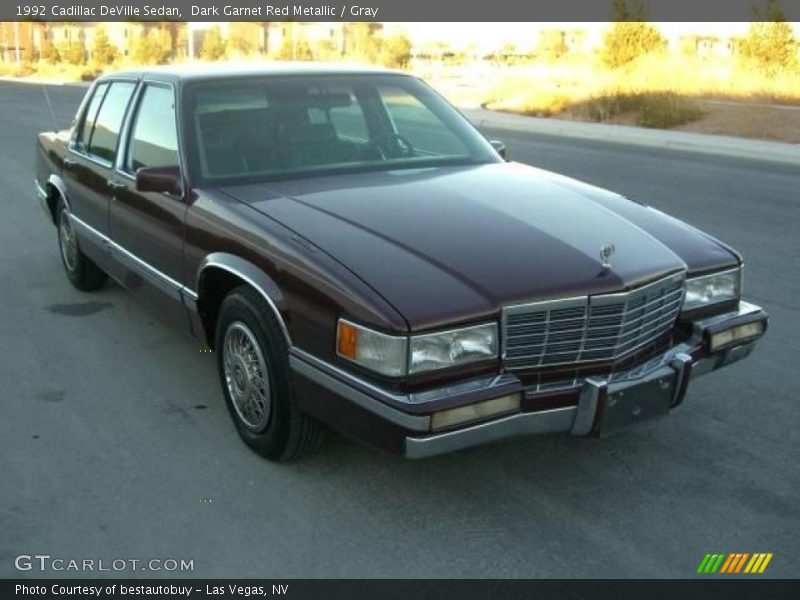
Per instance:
{"type": "Point", "coordinates": [457, 243]}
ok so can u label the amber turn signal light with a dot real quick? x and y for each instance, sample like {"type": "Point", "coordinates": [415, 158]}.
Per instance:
{"type": "Point", "coordinates": [346, 340]}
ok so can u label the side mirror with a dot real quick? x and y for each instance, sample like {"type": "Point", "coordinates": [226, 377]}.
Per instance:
{"type": "Point", "coordinates": [159, 179]}
{"type": "Point", "coordinates": [500, 147]}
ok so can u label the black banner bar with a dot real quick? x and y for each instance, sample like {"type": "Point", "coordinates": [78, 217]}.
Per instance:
{"type": "Point", "coordinates": [380, 10]}
{"type": "Point", "coordinates": [607, 589]}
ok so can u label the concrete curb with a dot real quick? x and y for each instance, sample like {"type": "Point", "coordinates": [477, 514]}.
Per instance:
{"type": "Point", "coordinates": [52, 82]}
{"type": "Point", "coordinates": [637, 136]}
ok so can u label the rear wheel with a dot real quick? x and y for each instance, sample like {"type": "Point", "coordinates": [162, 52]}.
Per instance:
{"type": "Point", "coordinates": [253, 364]}
{"type": "Point", "coordinates": [81, 271]}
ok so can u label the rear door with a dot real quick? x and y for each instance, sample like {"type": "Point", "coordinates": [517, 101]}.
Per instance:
{"type": "Point", "coordinates": [146, 228]}
{"type": "Point", "coordinates": [89, 164]}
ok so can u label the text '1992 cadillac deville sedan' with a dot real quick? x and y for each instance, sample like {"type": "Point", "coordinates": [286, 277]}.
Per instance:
{"type": "Point", "coordinates": [358, 255]}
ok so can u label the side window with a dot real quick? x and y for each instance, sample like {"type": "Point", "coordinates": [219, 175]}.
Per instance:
{"type": "Point", "coordinates": [154, 138]}
{"type": "Point", "coordinates": [349, 122]}
{"type": "Point", "coordinates": [85, 128]}
{"type": "Point", "coordinates": [103, 140]}
{"type": "Point", "coordinates": [420, 125]}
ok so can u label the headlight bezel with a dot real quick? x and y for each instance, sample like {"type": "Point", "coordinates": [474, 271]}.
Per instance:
{"type": "Point", "coordinates": [407, 343]}
{"type": "Point", "coordinates": [692, 304]}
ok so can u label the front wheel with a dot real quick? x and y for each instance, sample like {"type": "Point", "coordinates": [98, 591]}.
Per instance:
{"type": "Point", "coordinates": [81, 271]}
{"type": "Point", "coordinates": [253, 364]}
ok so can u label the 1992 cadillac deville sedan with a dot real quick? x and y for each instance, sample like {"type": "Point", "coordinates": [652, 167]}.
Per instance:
{"type": "Point", "coordinates": [358, 255]}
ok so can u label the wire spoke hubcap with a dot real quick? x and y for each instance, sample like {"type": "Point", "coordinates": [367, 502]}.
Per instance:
{"type": "Point", "coordinates": [246, 376]}
{"type": "Point", "coordinates": [68, 242]}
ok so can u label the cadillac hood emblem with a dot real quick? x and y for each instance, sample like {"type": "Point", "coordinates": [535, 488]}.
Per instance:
{"type": "Point", "coordinates": [606, 252]}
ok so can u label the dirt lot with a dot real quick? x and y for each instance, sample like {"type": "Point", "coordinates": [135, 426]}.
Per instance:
{"type": "Point", "coordinates": [762, 121]}
{"type": "Point", "coordinates": [725, 117]}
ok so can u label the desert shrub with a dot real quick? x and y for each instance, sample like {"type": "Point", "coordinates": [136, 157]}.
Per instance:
{"type": "Point", "coordinates": [666, 110]}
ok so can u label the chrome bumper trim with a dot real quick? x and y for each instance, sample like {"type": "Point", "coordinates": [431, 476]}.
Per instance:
{"type": "Point", "coordinates": [549, 421]}
{"type": "Point", "coordinates": [301, 363]}
{"type": "Point", "coordinates": [587, 406]}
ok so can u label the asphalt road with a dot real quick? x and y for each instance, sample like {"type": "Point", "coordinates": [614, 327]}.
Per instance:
{"type": "Point", "coordinates": [115, 443]}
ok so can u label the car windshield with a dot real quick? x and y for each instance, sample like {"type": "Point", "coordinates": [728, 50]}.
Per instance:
{"type": "Point", "coordinates": [289, 126]}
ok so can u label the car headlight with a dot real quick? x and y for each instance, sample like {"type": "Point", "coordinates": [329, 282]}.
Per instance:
{"type": "Point", "coordinates": [455, 347]}
{"type": "Point", "coordinates": [401, 355]}
{"type": "Point", "coordinates": [712, 289]}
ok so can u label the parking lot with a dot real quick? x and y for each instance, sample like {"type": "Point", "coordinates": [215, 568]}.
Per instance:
{"type": "Point", "coordinates": [115, 442]}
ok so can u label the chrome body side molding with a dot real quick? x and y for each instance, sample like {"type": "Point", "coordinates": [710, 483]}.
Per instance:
{"type": "Point", "coordinates": [161, 280]}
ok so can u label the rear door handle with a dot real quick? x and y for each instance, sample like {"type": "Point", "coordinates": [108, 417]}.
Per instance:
{"type": "Point", "coordinates": [69, 163]}
{"type": "Point", "coordinates": [117, 185]}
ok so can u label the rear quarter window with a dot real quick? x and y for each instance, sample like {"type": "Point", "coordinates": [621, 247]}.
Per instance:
{"type": "Point", "coordinates": [86, 126]}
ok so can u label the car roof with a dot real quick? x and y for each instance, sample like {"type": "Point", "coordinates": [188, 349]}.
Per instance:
{"type": "Point", "coordinates": [224, 70]}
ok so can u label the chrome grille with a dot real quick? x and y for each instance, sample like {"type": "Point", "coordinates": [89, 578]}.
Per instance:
{"type": "Point", "coordinates": [585, 329]}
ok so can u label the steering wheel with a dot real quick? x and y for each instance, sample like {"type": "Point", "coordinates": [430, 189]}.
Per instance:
{"type": "Point", "coordinates": [400, 143]}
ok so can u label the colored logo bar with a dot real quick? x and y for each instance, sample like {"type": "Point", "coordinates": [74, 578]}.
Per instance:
{"type": "Point", "coordinates": [735, 562]}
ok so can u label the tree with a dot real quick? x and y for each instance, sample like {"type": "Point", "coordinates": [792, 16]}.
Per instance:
{"type": "Point", "coordinates": [73, 52]}
{"type": "Point", "coordinates": [242, 38]}
{"type": "Point", "coordinates": [552, 45]}
{"type": "Point", "coordinates": [153, 47]}
{"type": "Point", "coordinates": [103, 51]}
{"type": "Point", "coordinates": [630, 37]}
{"type": "Point", "coordinates": [770, 41]}
{"type": "Point", "coordinates": [214, 47]}
{"type": "Point", "coordinates": [395, 51]}
{"type": "Point", "coordinates": [361, 43]}
{"type": "Point", "coordinates": [295, 46]}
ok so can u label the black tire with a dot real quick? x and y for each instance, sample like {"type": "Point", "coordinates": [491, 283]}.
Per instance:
{"type": "Point", "coordinates": [287, 433]}
{"type": "Point", "coordinates": [80, 270]}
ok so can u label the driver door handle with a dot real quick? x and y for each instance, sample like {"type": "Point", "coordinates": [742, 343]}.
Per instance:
{"type": "Point", "coordinates": [69, 163]}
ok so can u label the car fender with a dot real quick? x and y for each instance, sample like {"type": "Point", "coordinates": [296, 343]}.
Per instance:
{"type": "Point", "coordinates": [254, 276]}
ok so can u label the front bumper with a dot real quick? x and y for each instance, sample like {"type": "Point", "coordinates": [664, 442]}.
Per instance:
{"type": "Point", "coordinates": [605, 403]}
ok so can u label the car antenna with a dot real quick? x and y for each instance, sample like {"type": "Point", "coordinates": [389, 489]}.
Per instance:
{"type": "Point", "coordinates": [50, 106]}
